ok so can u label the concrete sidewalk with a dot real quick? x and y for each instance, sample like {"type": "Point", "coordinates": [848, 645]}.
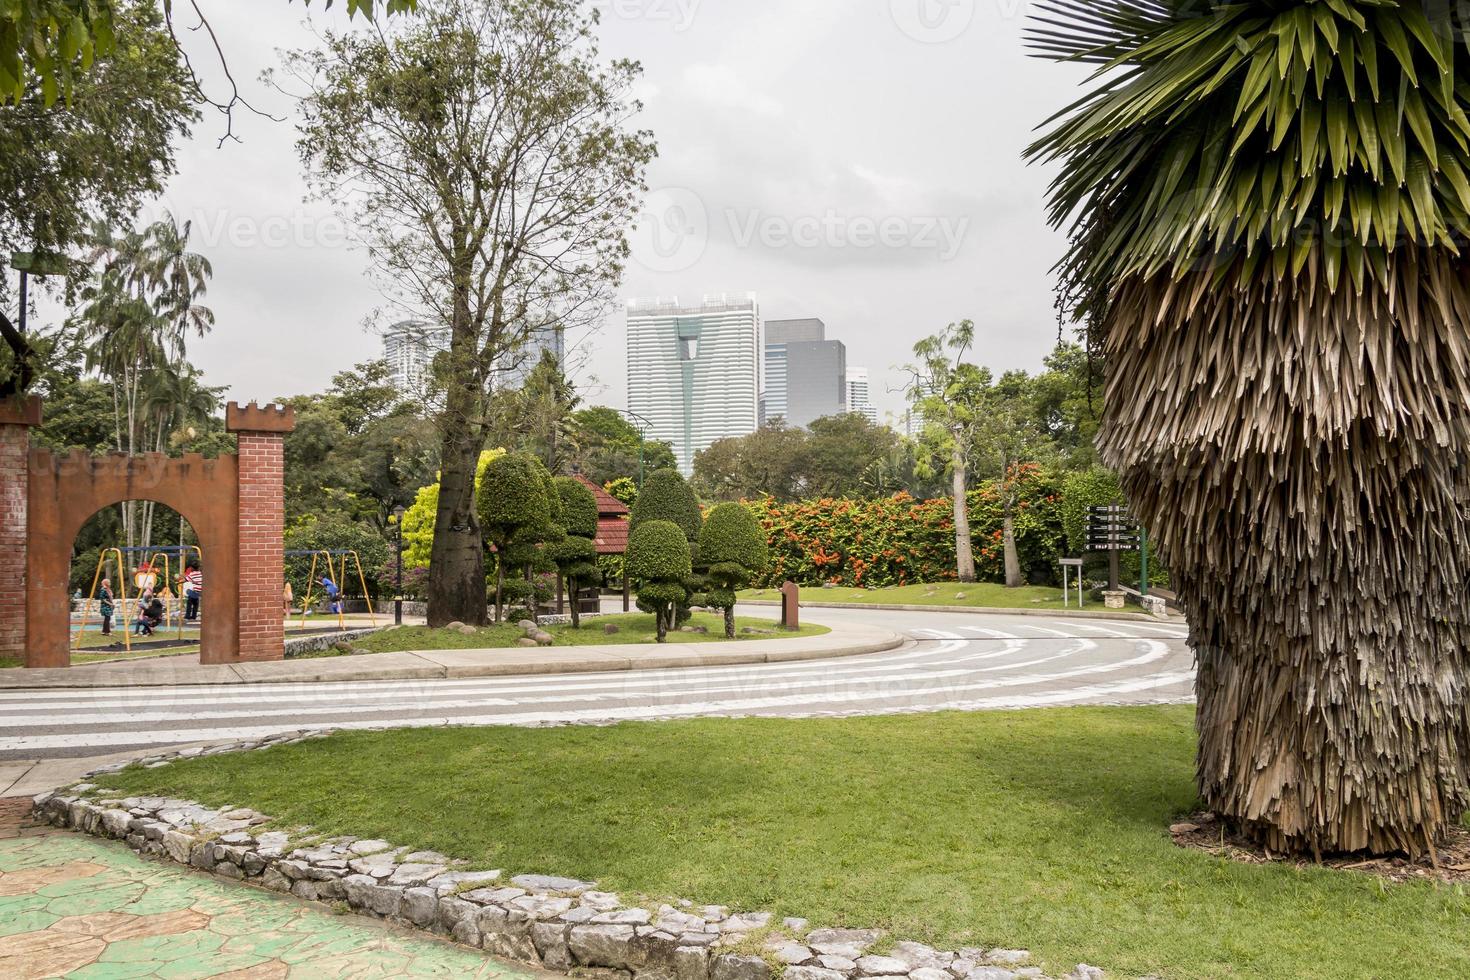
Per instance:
{"type": "Point", "coordinates": [845, 640]}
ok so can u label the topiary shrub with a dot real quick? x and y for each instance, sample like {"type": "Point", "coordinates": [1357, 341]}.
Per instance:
{"type": "Point", "coordinates": [658, 561]}
{"type": "Point", "coordinates": [512, 503]}
{"type": "Point", "coordinates": [576, 553]}
{"type": "Point", "coordinates": [734, 547]}
{"type": "Point", "coordinates": [666, 497]}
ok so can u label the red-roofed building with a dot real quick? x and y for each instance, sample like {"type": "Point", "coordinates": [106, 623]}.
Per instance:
{"type": "Point", "coordinates": [612, 527]}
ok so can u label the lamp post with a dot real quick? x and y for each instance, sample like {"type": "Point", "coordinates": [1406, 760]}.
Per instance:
{"type": "Point", "coordinates": [398, 586]}
{"type": "Point", "coordinates": [642, 424]}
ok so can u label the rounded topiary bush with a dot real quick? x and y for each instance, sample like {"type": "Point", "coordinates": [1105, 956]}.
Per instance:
{"type": "Point", "coordinates": [658, 551]}
{"type": "Point", "coordinates": [734, 547]}
{"type": "Point", "coordinates": [666, 497]}
{"type": "Point", "coordinates": [512, 496]}
{"type": "Point", "coordinates": [658, 559]}
{"type": "Point", "coordinates": [578, 507]}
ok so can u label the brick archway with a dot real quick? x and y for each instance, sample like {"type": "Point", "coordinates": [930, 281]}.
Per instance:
{"type": "Point", "coordinates": [234, 503]}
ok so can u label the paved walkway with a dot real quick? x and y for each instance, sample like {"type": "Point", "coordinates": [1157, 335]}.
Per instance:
{"type": "Point", "coordinates": [952, 662]}
{"type": "Point", "coordinates": [72, 906]}
{"type": "Point", "coordinates": [846, 640]}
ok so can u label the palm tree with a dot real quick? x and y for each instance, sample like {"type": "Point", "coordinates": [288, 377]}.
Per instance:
{"type": "Point", "coordinates": [1268, 201]}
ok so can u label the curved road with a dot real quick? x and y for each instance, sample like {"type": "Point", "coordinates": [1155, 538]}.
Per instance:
{"type": "Point", "coordinates": [955, 661]}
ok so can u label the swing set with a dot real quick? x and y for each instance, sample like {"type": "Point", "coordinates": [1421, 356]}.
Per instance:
{"type": "Point", "coordinates": [145, 579]}
{"type": "Point", "coordinates": [337, 573]}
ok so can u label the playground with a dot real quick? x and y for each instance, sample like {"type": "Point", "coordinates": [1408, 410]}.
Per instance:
{"type": "Point", "coordinates": [324, 591]}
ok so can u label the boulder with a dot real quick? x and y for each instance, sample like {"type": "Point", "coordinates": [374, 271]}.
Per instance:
{"type": "Point", "coordinates": [735, 967]}
{"type": "Point", "coordinates": [611, 628]}
{"type": "Point", "coordinates": [550, 939]}
{"type": "Point", "coordinates": [606, 945]}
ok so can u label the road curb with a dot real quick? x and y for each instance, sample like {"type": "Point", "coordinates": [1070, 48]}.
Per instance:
{"type": "Point", "coordinates": [842, 641]}
{"type": "Point", "coordinates": [1136, 617]}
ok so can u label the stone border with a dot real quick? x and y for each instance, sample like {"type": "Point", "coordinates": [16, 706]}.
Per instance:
{"type": "Point", "coordinates": [559, 924]}
{"type": "Point", "coordinates": [325, 641]}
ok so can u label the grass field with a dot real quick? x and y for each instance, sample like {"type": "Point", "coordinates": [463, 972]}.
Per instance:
{"type": "Point", "coordinates": [978, 595]}
{"type": "Point", "coordinates": [632, 628]}
{"type": "Point", "coordinates": [1039, 829]}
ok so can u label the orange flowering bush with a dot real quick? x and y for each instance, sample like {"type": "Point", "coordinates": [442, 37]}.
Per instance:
{"type": "Point", "coordinates": [899, 540]}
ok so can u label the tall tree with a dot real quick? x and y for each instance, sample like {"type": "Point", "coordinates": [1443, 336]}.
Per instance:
{"type": "Point", "coordinates": [484, 152]}
{"type": "Point", "coordinates": [1005, 438]}
{"type": "Point", "coordinates": [136, 321]}
{"type": "Point", "coordinates": [950, 394]}
{"type": "Point", "coordinates": [1271, 202]}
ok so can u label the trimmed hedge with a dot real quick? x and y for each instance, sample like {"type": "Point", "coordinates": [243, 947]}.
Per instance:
{"type": "Point", "coordinates": [666, 497]}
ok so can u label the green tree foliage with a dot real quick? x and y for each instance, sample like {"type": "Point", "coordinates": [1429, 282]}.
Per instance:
{"type": "Point", "coordinates": [576, 553]}
{"type": "Point", "coordinates": [608, 446]}
{"type": "Point", "coordinates": [358, 450]}
{"type": "Point", "coordinates": [336, 532]}
{"type": "Point", "coordinates": [1096, 487]}
{"type": "Point", "coordinates": [667, 497]}
{"type": "Point", "coordinates": [733, 546]}
{"type": "Point", "coordinates": [537, 417]}
{"type": "Point", "coordinates": [53, 45]}
{"type": "Point", "coordinates": [485, 155]}
{"type": "Point", "coordinates": [624, 489]}
{"type": "Point", "coordinates": [658, 563]}
{"type": "Point", "coordinates": [837, 456]}
{"type": "Point", "coordinates": [513, 507]}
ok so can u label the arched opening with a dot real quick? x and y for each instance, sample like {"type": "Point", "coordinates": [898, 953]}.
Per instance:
{"type": "Point", "coordinates": [136, 585]}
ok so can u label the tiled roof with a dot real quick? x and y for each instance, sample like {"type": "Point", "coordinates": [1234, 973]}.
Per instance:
{"type": "Point", "coordinates": [607, 504]}
{"type": "Point", "coordinates": [612, 535]}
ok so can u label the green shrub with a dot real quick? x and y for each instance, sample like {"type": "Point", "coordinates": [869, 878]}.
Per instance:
{"type": "Point", "coordinates": [579, 507]}
{"type": "Point", "coordinates": [666, 497]}
{"type": "Point", "coordinates": [658, 560]}
{"type": "Point", "coordinates": [1096, 487]}
{"type": "Point", "coordinates": [734, 547]}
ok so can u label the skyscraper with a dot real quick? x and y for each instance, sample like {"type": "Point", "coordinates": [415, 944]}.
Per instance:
{"type": "Point", "coordinates": [859, 394]}
{"type": "Point", "coordinates": [409, 348]}
{"type": "Point", "coordinates": [693, 371]}
{"type": "Point", "coordinates": [806, 374]}
{"type": "Point", "coordinates": [514, 366]}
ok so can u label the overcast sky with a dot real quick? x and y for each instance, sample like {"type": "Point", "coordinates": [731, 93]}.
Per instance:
{"type": "Point", "coordinates": [853, 160]}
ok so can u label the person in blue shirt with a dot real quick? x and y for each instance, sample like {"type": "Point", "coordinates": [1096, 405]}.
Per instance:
{"type": "Point", "coordinates": [334, 595]}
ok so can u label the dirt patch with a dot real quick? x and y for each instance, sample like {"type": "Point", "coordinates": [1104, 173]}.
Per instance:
{"type": "Point", "coordinates": [1206, 832]}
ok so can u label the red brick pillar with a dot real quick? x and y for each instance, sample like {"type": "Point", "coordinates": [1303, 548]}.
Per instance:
{"type": "Point", "coordinates": [261, 432]}
{"type": "Point", "coordinates": [17, 416]}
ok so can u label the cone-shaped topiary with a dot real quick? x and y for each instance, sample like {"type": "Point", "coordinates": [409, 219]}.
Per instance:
{"type": "Point", "coordinates": [734, 546]}
{"type": "Point", "coordinates": [658, 562]}
{"type": "Point", "coordinates": [1271, 200]}
{"type": "Point", "coordinates": [666, 496]}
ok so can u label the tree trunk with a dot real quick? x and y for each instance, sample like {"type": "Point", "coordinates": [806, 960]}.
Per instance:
{"type": "Point", "coordinates": [576, 603]}
{"type": "Point", "coordinates": [457, 560]}
{"type": "Point", "coordinates": [499, 588]}
{"type": "Point", "coordinates": [532, 606]}
{"type": "Point", "coordinates": [1014, 578]}
{"type": "Point", "coordinates": [1300, 457]}
{"type": "Point", "coordinates": [729, 622]}
{"type": "Point", "coordinates": [963, 549]}
{"type": "Point", "coordinates": [661, 615]}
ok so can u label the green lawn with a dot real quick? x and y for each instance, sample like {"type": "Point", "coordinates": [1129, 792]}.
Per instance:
{"type": "Point", "coordinates": [979, 594]}
{"type": "Point", "coordinates": [1040, 829]}
{"type": "Point", "coordinates": [632, 628]}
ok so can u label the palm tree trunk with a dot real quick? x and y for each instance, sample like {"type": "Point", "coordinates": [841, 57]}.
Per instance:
{"type": "Point", "coordinates": [1300, 456]}
{"type": "Point", "coordinates": [963, 548]}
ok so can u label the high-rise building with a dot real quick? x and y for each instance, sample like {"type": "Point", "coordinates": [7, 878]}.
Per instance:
{"type": "Point", "coordinates": [516, 365]}
{"type": "Point", "coordinates": [409, 348]}
{"type": "Point", "coordinates": [859, 394]}
{"type": "Point", "coordinates": [806, 374]}
{"type": "Point", "coordinates": [694, 371]}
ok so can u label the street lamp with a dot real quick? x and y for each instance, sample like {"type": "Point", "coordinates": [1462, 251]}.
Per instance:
{"type": "Point", "coordinates": [398, 513]}
{"type": "Point", "coordinates": [642, 423]}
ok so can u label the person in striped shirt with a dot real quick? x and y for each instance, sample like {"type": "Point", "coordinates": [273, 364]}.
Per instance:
{"type": "Point", "coordinates": [193, 592]}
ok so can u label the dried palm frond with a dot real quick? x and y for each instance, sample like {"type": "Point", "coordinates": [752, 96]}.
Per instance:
{"type": "Point", "coordinates": [1268, 201]}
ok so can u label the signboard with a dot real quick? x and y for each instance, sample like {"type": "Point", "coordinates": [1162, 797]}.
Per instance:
{"type": "Point", "coordinates": [1111, 528]}
{"type": "Point", "coordinates": [39, 263]}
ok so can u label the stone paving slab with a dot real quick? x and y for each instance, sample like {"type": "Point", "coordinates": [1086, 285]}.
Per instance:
{"type": "Point", "coordinates": [844, 640]}
{"type": "Point", "coordinates": [75, 907]}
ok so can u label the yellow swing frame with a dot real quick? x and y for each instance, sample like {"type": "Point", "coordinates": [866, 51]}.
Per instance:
{"type": "Point", "coordinates": [340, 580]}
{"type": "Point", "coordinates": [120, 600]}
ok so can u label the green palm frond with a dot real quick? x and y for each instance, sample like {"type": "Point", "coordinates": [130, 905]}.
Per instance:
{"type": "Point", "coordinates": [1246, 136]}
